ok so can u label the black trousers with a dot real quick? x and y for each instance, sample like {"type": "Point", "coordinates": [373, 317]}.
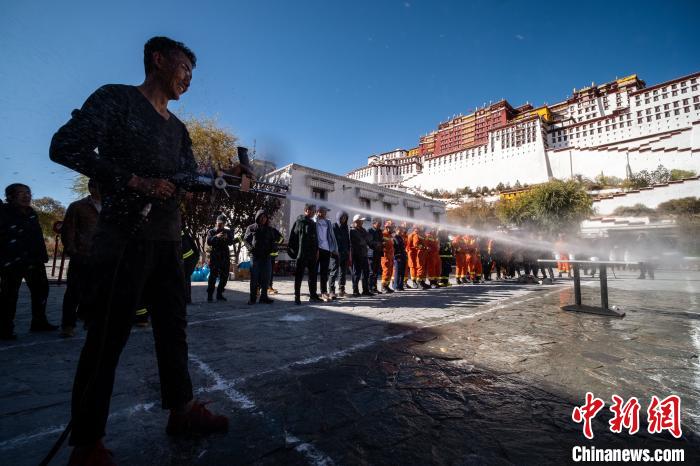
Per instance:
{"type": "Point", "coordinates": [360, 272]}
{"type": "Point", "coordinates": [486, 264]}
{"type": "Point", "coordinates": [146, 271]}
{"type": "Point", "coordinates": [188, 266]}
{"type": "Point", "coordinates": [324, 259]}
{"type": "Point", "coordinates": [273, 259]}
{"type": "Point", "coordinates": [375, 270]}
{"type": "Point", "coordinates": [259, 276]}
{"type": "Point", "coordinates": [445, 270]}
{"type": "Point", "coordinates": [302, 264]}
{"type": "Point", "coordinates": [399, 271]}
{"type": "Point", "coordinates": [338, 271]}
{"type": "Point", "coordinates": [78, 273]}
{"type": "Point", "coordinates": [10, 282]}
{"type": "Point", "coordinates": [220, 268]}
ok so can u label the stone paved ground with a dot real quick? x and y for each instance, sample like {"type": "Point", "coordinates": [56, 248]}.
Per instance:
{"type": "Point", "coordinates": [467, 375]}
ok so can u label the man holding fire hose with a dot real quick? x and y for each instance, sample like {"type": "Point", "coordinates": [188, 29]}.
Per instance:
{"type": "Point", "coordinates": [136, 249]}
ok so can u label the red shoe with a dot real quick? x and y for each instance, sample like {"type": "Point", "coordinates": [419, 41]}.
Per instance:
{"type": "Point", "coordinates": [94, 455]}
{"type": "Point", "coordinates": [198, 421]}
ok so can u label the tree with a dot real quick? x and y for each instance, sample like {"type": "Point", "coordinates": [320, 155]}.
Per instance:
{"type": "Point", "coordinates": [548, 208]}
{"type": "Point", "coordinates": [48, 211]}
{"type": "Point", "coordinates": [637, 210]}
{"type": "Point", "coordinates": [477, 214]}
{"type": "Point", "coordinates": [215, 147]}
{"type": "Point", "coordinates": [678, 174]}
{"type": "Point", "coordinates": [80, 186]}
{"type": "Point", "coordinates": [517, 184]}
{"type": "Point", "coordinates": [500, 187]}
{"type": "Point", "coordinates": [686, 212]}
{"type": "Point", "coordinates": [682, 206]}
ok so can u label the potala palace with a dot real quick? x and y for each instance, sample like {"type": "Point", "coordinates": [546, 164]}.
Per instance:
{"type": "Point", "coordinates": [615, 128]}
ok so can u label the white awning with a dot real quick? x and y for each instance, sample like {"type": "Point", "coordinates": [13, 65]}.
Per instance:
{"type": "Point", "coordinates": [437, 209]}
{"type": "Point", "coordinates": [321, 183]}
{"type": "Point", "coordinates": [390, 199]}
{"type": "Point", "coordinates": [371, 195]}
{"type": "Point", "coordinates": [411, 204]}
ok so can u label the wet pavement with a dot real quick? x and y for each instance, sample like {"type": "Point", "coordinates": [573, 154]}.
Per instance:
{"type": "Point", "coordinates": [473, 374]}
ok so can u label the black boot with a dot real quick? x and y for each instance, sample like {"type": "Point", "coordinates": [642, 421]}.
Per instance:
{"type": "Point", "coordinates": [210, 297]}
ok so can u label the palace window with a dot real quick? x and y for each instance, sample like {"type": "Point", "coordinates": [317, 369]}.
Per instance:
{"type": "Point", "coordinates": [318, 193]}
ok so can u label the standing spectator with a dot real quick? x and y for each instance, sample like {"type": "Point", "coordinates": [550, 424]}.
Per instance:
{"type": "Point", "coordinates": [643, 255]}
{"type": "Point", "coordinates": [22, 256]}
{"type": "Point", "coordinates": [79, 225]}
{"type": "Point", "coordinates": [303, 246]}
{"type": "Point", "coordinates": [327, 248]}
{"type": "Point", "coordinates": [339, 264]}
{"type": "Point", "coordinates": [359, 245]}
{"type": "Point", "coordinates": [400, 258]}
{"type": "Point", "coordinates": [273, 258]}
{"type": "Point", "coordinates": [219, 238]}
{"type": "Point", "coordinates": [260, 239]}
{"type": "Point", "coordinates": [375, 254]}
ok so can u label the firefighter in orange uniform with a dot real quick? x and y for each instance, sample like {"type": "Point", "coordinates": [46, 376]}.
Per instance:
{"type": "Point", "coordinates": [562, 255]}
{"type": "Point", "coordinates": [460, 253]}
{"type": "Point", "coordinates": [412, 256]}
{"type": "Point", "coordinates": [388, 256]}
{"type": "Point", "coordinates": [473, 259]}
{"type": "Point", "coordinates": [421, 258]}
{"type": "Point", "coordinates": [433, 258]}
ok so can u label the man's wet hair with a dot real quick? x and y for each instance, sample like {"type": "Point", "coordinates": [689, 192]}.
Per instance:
{"type": "Point", "coordinates": [11, 190]}
{"type": "Point", "coordinates": [166, 46]}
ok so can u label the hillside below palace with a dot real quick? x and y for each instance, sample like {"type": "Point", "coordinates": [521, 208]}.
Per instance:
{"type": "Point", "coordinates": [614, 128]}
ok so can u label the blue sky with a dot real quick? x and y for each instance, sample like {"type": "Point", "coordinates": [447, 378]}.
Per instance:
{"type": "Point", "coordinates": [324, 83]}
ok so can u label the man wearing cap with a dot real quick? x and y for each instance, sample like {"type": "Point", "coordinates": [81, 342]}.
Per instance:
{"type": "Point", "coordinates": [376, 253]}
{"type": "Point", "coordinates": [327, 247]}
{"type": "Point", "coordinates": [303, 246]}
{"type": "Point", "coordinates": [219, 238]}
{"type": "Point", "coordinates": [360, 241]}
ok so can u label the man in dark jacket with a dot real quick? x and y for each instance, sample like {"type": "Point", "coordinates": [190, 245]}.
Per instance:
{"type": "Point", "coordinates": [79, 226]}
{"type": "Point", "coordinates": [126, 138]}
{"type": "Point", "coordinates": [399, 258]}
{"type": "Point", "coordinates": [303, 246]}
{"type": "Point", "coordinates": [339, 264]}
{"type": "Point", "coordinates": [375, 254]}
{"type": "Point", "coordinates": [219, 238]}
{"type": "Point", "coordinates": [22, 256]}
{"type": "Point", "coordinates": [360, 241]}
{"type": "Point", "coordinates": [260, 239]}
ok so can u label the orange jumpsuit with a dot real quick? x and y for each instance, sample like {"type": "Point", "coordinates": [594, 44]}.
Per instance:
{"type": "Point", "coordinates": [473, 258]}
{"type": "Point", "coordinates": [562, 266]}
{"type": "Point", "coordinates": [387, 259]}
{"type": "Point", "coordinates": [460, 253]}
{"type": "Point", "coordinates": [420, 259]}
{"type": "Point", "coordinates": [412, 255]}
{"type": "Point", "coordinates": [433, 258]}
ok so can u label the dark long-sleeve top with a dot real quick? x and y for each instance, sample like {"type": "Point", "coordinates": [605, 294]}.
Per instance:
{"type": "Point", "coordinates": [399, 246]}
{"type": "Point", "coordinates": [360, 240]}
{"type": "Point", "coordinates": [219, 244]}
{"type": "Point", "coordinates": [79, 225]}
{"type": "Point", "coordinates": [21, 240]}
{"type": "Point", "coordinates": [116, 134]}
